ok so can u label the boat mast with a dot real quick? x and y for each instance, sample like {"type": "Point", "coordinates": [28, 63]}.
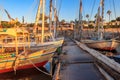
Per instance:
{"type": "Point", "coordinates": [98, 22]}
{"type": "Point", "coordinates": [16, 43]}
{"type": "Point", "coordinates": [50, 16]}
{"type": "Point", "coordinates": [102, 20]}
{"type": "Point", "coordinates": [37, 17]}
{"type": "Point", "coordinates": [102, 10]}
{"type": "Point", "coordinates": [80, 21]}
{"type": "Point", "coordinates": [55, 16]}
{"type": "Point", "coordinates": [43, 21]}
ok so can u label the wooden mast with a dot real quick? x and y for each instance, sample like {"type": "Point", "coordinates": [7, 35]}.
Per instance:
{"type": "Point", "coordinates": [98, 22]}
{"type": "Point", "coordinates": [37, 17]}
{"type": "Point", "coordinates": [80, 21]}
{"type": "Point", "coordinates": [55, 15]}
{"type": "Point", "coordinates": [41, 4]}
{"type": "Point", "coordinates": [50, 16]}
{"type": "Point", "coordinates": [16, 42]}
{"type": "Point", "coordinates": [102, 18]}
{"type": "Point", "coordinates": [43, 21]}
{"type": "Point", "coordinates": [101, 25]}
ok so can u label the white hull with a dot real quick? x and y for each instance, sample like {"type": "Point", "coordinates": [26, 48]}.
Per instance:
{"type": "Point", "coordinates": [102, 44]}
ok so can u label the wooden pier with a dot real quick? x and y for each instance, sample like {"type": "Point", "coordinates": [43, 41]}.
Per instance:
{"type": "Point", "coordinates": [76, 64]}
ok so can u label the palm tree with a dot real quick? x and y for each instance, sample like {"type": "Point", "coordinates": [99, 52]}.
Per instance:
{"type": "Point", "coordinates": [87, 16]}
{"type": "Point", "coordinates": [109, 13]}
{"type": "Point", "coordinates": [118, 18]}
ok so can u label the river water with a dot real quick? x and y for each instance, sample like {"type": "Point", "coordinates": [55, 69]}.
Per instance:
{"type": "Point", "coordinates": [28, 74]}
{"type": "Point", "coordinates": [112, 55]}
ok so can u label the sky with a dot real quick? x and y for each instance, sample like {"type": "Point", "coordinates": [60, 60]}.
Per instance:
{"type": "Point", "coordinates": [69, 9]}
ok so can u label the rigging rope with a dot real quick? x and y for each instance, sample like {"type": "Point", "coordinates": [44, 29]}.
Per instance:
{"type": "Point", "coordinates": [39, 68]}
{"type": "Point", "coordinates": [114, 8]}
{"type": "Point", "coordinates": [116, 17]}
{"type": "Point", "coordinates": [84, 14]}
{"type": "Point", "coordinates": [32, 7]}
{"type": "Point", "coordinates": [18, 58]}
{"type": "Point", "coordinates": [92, 9]}
{"type": "Point", "coordinates": [77, 12]}
{"type": "Point", "coordinates": [2, 10]}
{"type": "Point", "coordinates": [59, 7]}
{"type": "Point", "coordinates": [110, 4]}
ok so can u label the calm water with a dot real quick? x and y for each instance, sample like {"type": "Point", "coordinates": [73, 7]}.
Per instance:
{"type": "Point", "coordinates": [113, 55]}
{"type": "Point", "coordinates": [28, 74]}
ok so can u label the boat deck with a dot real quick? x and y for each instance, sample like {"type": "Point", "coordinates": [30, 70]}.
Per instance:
{"type": "Point", "coordinates": [77, 64]}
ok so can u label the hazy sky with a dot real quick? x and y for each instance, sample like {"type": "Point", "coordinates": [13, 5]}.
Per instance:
{"type": "Point", "coordinates": [69, 9]}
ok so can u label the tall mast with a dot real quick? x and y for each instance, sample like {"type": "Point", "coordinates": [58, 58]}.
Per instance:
{"type": "Point", "coordinates": [50, 16]}
{"type": "Point", "coordinates": [102, 20]}
{"type": "Point", "coordinates": [43, 21]}
{"type": "Point", "coordinates": [102, 10]}
{"type": "Point", "coordinates": [55, 15]}
{"type": "Point", "coordinates": [80, 20]}
{"type": "Point", "coordinates": [37, 17]}
{"type": "Point", "coordinates": [98, 22]}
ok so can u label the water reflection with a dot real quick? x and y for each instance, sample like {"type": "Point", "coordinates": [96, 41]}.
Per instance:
{"type": "Point", "coordinates": [112, 55]}
{"type": "Point", "coordinates": [109, 53]}
{"type": "Point", "coordinates": [28, 74]}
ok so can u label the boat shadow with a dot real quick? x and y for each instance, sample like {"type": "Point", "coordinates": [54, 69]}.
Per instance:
{"type": "Point", "coordinates": [28, 74]}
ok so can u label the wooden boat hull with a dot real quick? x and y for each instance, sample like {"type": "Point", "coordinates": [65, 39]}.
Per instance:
{"type": "Point", "coordinates": [23, 67]}
{"type": "Point", "coordinates": [36, 53]}
{"type": "Point", "coordinates": [38, 59]}
{"type": "Point", "coordinates": [11, 47]}
{"type": "Point", "coordinates": [103, 44]}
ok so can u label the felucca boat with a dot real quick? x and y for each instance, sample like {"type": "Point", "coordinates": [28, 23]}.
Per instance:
{"type": "Point", "coordinates": [19, 51]}
{"type": "Point", "coordinates": [100, 43]}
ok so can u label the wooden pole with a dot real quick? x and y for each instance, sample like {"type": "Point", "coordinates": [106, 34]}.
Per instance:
{"type": "Point", "coordinates": [37, 17]}
{"type": "Point", "coordinates": [24, 40]}
{"type": "Point", "coordinates": [55, 13]}
{"type": "Point", "coordinates": [50, 16]}
{"type": "Point", "coordinates": [16, 42]}
{"type": "Point", "coordinates": [2, 45]}
{"type": "Point", "coordinates": [80, 21]}
{"type": "Point", "coordinates": [29, 40]}
{"type": "Point", "coordinates": [43, 21]}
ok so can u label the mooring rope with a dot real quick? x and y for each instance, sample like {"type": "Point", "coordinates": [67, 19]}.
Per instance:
{"type": "Point", "coordinates": [15, 61]}
{"type": "Point", "coordinates": [39, 68]}
{"type": "Point", "coordinates": [30, 62]}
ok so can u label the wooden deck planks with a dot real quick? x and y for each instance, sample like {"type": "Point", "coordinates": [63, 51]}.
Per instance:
{"type": "Point", "coordinates": [77, 64]}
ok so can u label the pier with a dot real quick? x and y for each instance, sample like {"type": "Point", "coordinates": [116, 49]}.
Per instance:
{"type": "Point", "coordinates": [76, 64]}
